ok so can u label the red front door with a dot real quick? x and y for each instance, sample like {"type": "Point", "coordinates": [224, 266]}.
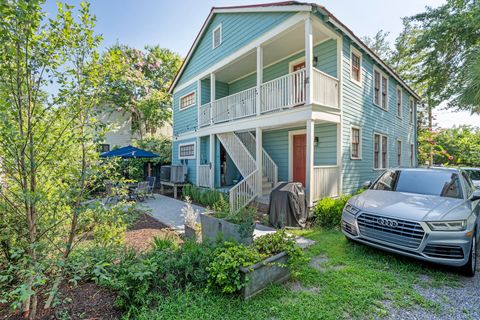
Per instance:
{"type": "Point", "coordinates": [299, 153]}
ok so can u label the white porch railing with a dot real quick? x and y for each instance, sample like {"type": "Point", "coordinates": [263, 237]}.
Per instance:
{"type": "Point", "coordinates": [235, 106]}
{"type": "Point", "coordinates": [325, 182]}
{"type": "Point", "coordinates": [244, 192]}
{"type": "Point", "coordinates": [284, 92]}
{"type": "Point", "coordinates": [325, 89]}
{"type": "Point", "coordinates": [203, 175]}
{"type": "Point", "coordinates": [205, 114]}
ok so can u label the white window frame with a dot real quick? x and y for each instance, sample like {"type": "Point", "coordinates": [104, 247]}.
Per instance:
{"type": "Point", "coordinates": [219, 27]}
{"type": "Point", "coordinates": [359, 144]}
{"type": "Point", "coordinates": [355, 51]}
{"type": "Point", "coordinates": [194, 100]}
{"type": "Point", "coordinates": [412, 155]}
{"type": "Point", "coordinates": [194, 156]}
{"type": "Point", "coordinates": [396, 152]}
{"type": "Point", "coordinates": [400, 115]}
{"type": "Point", "coordinates": [411, 110]}
{"type": "Point", "coordinates": [373, 88]}
{"type": "Point", "coordinates": [380, 151]}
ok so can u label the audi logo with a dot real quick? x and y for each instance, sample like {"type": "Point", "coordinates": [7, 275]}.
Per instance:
{"type": "Point", "coordinates": [387, 222]}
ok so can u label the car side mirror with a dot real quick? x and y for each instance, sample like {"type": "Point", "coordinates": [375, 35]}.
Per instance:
{"type": "Point", "coordinates": [366, 184]}
{"type": "Point", "coordinates": [475, 195]}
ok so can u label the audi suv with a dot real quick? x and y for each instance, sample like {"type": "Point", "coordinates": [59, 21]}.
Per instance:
{"type": "Point", "coordinates": [430, 214]}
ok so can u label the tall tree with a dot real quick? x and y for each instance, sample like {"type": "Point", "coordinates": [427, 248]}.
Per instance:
{"type": "Point", "coordinates": [380, 45]}
{"type": "Point", "coordinates": [139, 85]}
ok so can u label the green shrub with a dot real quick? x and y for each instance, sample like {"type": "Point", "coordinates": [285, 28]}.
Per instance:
{"type": "Point", "coordinates": [205, 197]}
{"type": "Point", "coordinates": [328, 211]}
{"type": "Point", "coordinates": [224, 270]}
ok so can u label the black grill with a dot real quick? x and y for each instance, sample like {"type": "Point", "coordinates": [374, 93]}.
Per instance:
{"type": "Point", "coordinates": [443, 251]}
{"type": "Point", "coordinates": [406, 233]}
{"type": "Point", "coordinates": [349, 228]}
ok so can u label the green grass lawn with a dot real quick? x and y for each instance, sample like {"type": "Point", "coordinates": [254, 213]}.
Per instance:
{"type": "Point", "coordinates": [355, 282]}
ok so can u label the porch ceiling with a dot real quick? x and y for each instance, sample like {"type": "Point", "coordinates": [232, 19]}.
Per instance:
{"type": "Point", "coordinates": [284, 45]}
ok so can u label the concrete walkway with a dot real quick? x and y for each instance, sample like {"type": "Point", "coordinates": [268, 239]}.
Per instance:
{"type": "Point", "coordinates": [169, 212]}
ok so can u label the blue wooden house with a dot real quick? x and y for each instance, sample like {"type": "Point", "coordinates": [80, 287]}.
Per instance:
{"type": "Point", "coordinates": [286, 92]}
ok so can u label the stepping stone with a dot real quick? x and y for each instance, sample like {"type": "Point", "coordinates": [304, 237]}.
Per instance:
{"type": "Point", "coordinates": [317, 262]}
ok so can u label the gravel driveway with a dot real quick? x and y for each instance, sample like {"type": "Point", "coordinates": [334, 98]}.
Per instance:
{"type": "Point", "coordinates": [459, 302]}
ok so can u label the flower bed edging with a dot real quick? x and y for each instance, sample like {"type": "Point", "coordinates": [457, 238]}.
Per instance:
{"type": "Point", "coordinates": [211, 226]}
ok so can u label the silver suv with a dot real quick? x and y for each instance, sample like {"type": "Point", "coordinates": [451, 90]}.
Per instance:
{"type": "Point", "coordinates": [428, 214]}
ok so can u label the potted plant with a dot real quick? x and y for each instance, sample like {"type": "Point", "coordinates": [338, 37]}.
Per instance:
{"type": "Point", "coordinates": [271, 258]}
{"type": "Point", "coordinates": [220, 222]}
{"type": "Point", "coordinates": [192, 227]}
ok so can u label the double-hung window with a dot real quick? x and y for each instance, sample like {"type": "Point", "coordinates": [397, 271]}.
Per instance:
{"type": "Point", "coordinates": [186, 150]}
{"type": "Point", "coordinates": [217, 37]}
{"type": "Point", "coordinates": [399, 101]}
{"type": "Point", "coordinates": [356, 143]}
{"type": "Point", "coordinates": [355, 66]}
{"type": "Point", "coordinates": [380, 87]}
{"type": "Point", "coordinates": [380, 153]}
{"type": "Point", "coordinates": [411, 109]}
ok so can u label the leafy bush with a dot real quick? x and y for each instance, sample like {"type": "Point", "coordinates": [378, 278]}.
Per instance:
{"type": "Point", "coordinates": [328, 211]}
{"type": "Point", "coordinates": [205, 197]}
{"type": "Point", "coordinates": [224, 270]}
{"type": "Point", "coordinates": [166, 268]}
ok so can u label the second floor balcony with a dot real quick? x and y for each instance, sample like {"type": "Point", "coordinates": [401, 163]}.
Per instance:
{"type": "Point", "coordinates": [298, 67]}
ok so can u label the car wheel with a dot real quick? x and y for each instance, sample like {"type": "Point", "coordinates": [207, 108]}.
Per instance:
{"type": "Point", "coordinates": [471, 266]}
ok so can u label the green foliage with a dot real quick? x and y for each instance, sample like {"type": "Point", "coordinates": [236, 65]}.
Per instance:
{"type": "Point", "coordinates": [161, 145]}
{"type": "Point", "coordinates": [328, 211]}
{"type": "Point", "coordinates": [139, 83]}
{"type": "Point", "coordinates": [206, 197]}
{"type": "Point", "coordinates": [139, 280]}
{"type": "Point", "coordinates": [224, 270]}
{"type": "Point", "coordinates": [380, 45]}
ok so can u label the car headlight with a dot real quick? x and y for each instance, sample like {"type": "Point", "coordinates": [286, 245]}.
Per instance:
{"type": "Point", "coordinates": [351, 209]}
{"type": "Point", "coordinates": [455, 225]}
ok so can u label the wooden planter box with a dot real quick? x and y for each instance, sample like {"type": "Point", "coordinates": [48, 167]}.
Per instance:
{"type": "Point", "coordinates": [212, 226]}
{"type": "Point", "coordinates": [258, 276]}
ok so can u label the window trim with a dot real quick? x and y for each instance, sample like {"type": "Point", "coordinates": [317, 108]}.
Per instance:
{"type": "Point", "coordinates": [401, 101]}
{"type": "Point", "coordinates": [380, 152]}
{"type": "Point", "coordinates": [399, 163]}
{"type": "Point", "coordinates": [360, 147]}
{"type": "Point", "coordinates": [219, 27]}
{"type": "Point", "coordinates": [194, 156]}
{"type": "Point", "coordinates": [357, 52]}
{"type": "Point", "coordinates": [411, 110]}
{"type": "Point", "coordinates": [375, 68]}
{"type": "Point", "coordinates": [194, 100]}
{"type": "Point", "coordinates": [412, 155]}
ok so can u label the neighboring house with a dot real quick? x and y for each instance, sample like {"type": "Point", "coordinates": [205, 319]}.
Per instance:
{"type": "Point", "coordinates": [119, 129]}
{"type": "Point", "coordinates": [290, 83]}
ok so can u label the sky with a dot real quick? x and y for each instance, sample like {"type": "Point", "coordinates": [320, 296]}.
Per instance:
{"type": "Point", "coordinates": [175, 24]}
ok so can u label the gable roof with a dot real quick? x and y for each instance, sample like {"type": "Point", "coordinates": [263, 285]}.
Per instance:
{"type": "Point", "coordinates": [287, 6]}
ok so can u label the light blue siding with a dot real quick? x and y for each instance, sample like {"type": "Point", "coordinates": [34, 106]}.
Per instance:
{"type": "Point", "coordinates": [238, 29]}
{"type": "Point", "coordinates": [327, 62]}
{"type": "Point", "coordinates": [359, 110]}
{"type": "Point", "coordinates": [190, 163]}
{"type": "Point", "coordinates": [184, 120]}
{"type": "Point", "coordinates": [276, 144]}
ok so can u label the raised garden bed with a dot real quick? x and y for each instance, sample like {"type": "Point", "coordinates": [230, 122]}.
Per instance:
{"type": "Point", "coordinates": [258, 276]}
{"type": "Point", "coordinates": [212, 226]}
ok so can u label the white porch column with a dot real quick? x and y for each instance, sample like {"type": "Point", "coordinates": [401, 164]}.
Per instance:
{"type": "Point", "coordinates": [309, 164]}
{"type": "Point", "coordinates": [199, 101]}
{"type": "Point", "coordinates": [258, 157]}
{"type": "Point", "coordinates": [212, 161]}
{"type": "Point", "coordinates": [212, 95]}
{"type": "Point", "coordinates": [197, 153]}
{"type": "Point", "coordinates": [259, 78]}
{"type": "Point", "coordinates": [308, 60]}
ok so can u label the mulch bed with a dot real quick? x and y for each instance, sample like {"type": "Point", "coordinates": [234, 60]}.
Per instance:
{"type": "Point", "coordinates": [89, 300]}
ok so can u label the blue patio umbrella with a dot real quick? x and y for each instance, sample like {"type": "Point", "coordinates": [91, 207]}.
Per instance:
{"type": "Point", "coordinates": [129, 152]}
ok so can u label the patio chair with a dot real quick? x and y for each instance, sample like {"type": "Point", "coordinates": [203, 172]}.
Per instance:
{"type": "Point", "coordinates": [111, 192]}
{"type": "Point", "coordinates": [151, 186]}
{"type": "Point", "coordinates": [141, 191]}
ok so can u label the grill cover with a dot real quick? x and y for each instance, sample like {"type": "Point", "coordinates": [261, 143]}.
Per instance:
{"type": "Point", "coordinates": [288, 205]}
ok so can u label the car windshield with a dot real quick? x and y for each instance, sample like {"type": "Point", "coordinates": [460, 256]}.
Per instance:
{"type": "Point", "coordinates": [474, 174]}
{"type": "Point", "coordinates": [431, 182]}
